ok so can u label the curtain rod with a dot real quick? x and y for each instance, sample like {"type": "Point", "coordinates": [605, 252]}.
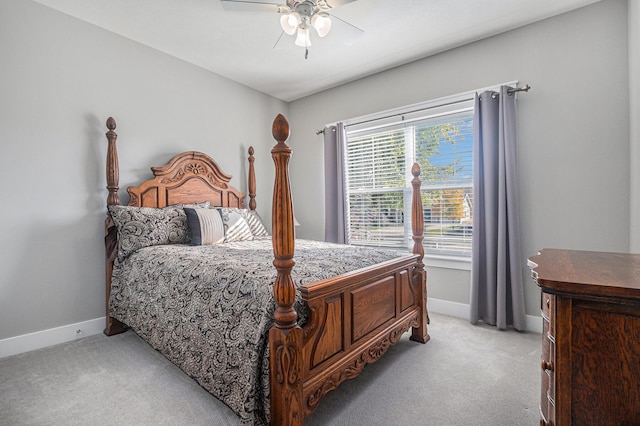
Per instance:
{"type": "Point", "coordinates": [510, 91]}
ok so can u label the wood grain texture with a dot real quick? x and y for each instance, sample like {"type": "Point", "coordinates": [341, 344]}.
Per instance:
{"type": "Point", "coordinates": [605, 366]}
{"type": "Point", "coordinates": [372, 306]}
{"type": "Point", "coordinates": [252, 180]}
{"type": "Point", "coordinates": [113, 326]}
{"type": "Point", "coordinates": [286, 376]}
{"type": "Point", "coordinates": [189, 177]}
{"type": "Point", "coordinates": [419, 283]}
{"type": "Point", "coordinates": [618, 274]}
{"type": "Point", "coordinates": [286, 337]}
{"type": "Point", "coordinates": [547, 362]}
{"type": "Point", "coordinates": [283, 230]}
{"type": "Point", "coordinates": [113, 170]}
{"type": "Point", "coordinates": [591, 341]}
{"type": "Point", "coordinates": [417, 216]}
{"type": "Point", "coordinates": [330, 338]}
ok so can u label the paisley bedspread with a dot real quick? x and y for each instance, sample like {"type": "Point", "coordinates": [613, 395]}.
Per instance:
{"type": "Point", "coordinates": [208, 308]}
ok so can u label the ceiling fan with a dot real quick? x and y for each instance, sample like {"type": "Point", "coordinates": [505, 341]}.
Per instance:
{"type": "Point", "coordinates": [298, 16]}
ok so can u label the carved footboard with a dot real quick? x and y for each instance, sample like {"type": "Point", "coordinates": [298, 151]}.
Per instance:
{"type": "Point", "coordinates": [353, 318]}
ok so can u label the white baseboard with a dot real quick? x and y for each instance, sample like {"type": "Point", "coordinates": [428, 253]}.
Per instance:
{"type": "Point", "coordinates": [460, 310]}
{"type": "Point", "coordinates": [53, 336]}
{"type": "Point", "coordinates": [445, 307]}
{"type": "Point", "coordinates": [534, 324]}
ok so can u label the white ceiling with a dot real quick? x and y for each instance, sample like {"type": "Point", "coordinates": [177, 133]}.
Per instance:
{"type": "Point", "coordinates": [239, 45]}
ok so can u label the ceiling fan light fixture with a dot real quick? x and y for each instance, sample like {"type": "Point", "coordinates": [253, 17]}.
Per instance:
{"type": "Point", "coordinates": [290, 22]}
{"type": "Point", "coordinates": [303, 39]}
{"type": "Point", "coordinates": [322, 23]}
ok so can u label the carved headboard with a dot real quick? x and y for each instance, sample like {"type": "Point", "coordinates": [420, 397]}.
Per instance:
{"type": "Point", "coordinates": [189, 177]}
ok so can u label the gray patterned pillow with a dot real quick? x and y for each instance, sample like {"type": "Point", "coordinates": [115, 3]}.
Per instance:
{"type": "Point", "coordinates": [140, 227]}
{"type": "Point", "coordinates": [236, 227]}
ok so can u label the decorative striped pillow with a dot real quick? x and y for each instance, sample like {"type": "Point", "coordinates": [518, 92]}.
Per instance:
{"type": "Point", "coordinates": [205, 225]}
{"type": "Point", "coordinates": [236, 227]}
{"type": "Point", "coordinates": [255, 223]}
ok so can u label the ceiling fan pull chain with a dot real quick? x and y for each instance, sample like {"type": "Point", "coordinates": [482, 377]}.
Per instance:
{"type": "Point", "coordinates": [306, 53]}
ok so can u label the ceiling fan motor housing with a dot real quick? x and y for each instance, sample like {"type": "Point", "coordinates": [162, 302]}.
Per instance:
{"type": "Point", "coordinates": [304, 8]}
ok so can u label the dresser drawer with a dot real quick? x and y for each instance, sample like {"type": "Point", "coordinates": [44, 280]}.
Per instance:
{"type": "Point", "coordinates": [544, 375]}
{"type": "Point", "coordinates": [544, 388]}
{"type": "Point", "coordinates": [549, 312]}
{"type": "Point", "coordinates": [547, 364]}
{"type": "Point", "coordinates": [591, 301]}
{"type": "Point", "coordinates": [545, 355]}
{"type": "Point", "coordinates": [551, 371]}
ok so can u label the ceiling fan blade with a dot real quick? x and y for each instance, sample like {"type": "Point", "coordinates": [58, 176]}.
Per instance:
{"type": "Point", "coordinates": [342, 30]}
{"type": "Point", "coordinates": [332, 4]}
{"type": "Point", "coordinates": [285, 41]}
{"type": "Point", "coordinates": [252, 6]}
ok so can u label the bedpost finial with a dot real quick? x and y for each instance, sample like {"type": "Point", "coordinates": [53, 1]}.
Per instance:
{"type": "Point", "coordinates": [280, 129]}
{"type": "Point", "coordinates": [111, 123]}
{"type": "Point", "coordinates": [251, 150]}
{"type": "Point", "coordinates": [415, 170]}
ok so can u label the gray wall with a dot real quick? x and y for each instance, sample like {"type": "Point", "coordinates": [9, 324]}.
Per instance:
{"type": "Point", "coordinates": [574, 173]}
{"type": "Point", "coordinates": [60, 80]}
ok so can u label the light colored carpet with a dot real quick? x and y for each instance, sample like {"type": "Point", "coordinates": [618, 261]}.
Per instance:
{"type": "Point", "coordinates": [466, 375]}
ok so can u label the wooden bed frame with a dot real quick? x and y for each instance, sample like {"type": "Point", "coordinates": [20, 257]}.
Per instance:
{"type": "Point", "coordinates": [353, 317]}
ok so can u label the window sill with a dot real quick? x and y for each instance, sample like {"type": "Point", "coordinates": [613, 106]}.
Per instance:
{"type": "Point", "coordinates": [447, 262]}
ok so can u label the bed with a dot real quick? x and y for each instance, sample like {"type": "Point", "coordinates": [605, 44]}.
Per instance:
{"type": "Point", "coordinates": [267, 334]}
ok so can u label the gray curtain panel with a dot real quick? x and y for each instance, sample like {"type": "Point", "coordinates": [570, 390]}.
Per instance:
{"type": "Point", "coordinates": [497, 293]}
{"type": "Point", "coordinates": [336, 228]}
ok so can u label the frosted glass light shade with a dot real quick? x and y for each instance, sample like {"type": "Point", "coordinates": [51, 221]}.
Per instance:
{"type": "Point", "coordinates": [290, 22]}
{"type": "Point", "coordinates": [322, 23]}
{"type": "Point", "coordinates": [303, 39]}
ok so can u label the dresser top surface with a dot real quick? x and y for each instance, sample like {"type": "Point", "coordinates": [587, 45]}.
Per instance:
{"type": "Point", "coordinates": [597, 273]}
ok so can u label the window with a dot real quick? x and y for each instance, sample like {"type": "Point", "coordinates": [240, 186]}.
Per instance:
{"type": "Point", "coordinates": [379, 154]}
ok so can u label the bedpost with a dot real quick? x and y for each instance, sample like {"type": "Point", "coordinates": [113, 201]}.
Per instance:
{"type": "Point", "coordinates": [252, 180]}
{"type": "Point", "coordinates": [110, 236]}
{"type": "Point", "coordinates": [285, 337]}
{"type": "Point", "coordinates": [419, 333]}
{"type": "Point", "coordinates": [113, 171]}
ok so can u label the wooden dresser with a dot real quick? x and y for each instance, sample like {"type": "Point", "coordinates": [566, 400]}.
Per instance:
{"type": "Point", "coordinates": [591, 337]}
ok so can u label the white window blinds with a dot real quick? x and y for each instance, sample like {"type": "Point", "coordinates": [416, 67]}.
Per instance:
{"type": "Point", "coordinates": [379, 156]}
